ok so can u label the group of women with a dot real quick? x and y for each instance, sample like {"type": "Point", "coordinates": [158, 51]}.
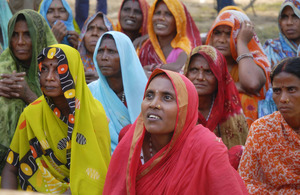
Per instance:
{"type": "Point", "coordinates": [148, 109]}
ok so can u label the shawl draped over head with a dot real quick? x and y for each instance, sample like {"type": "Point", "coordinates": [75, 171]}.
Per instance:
{"type": "Point", "coordinates": [87, 61]}
{"type": "Point", "coordinates": [195, 161]}
{"type": "Point", "coordinates": [282, 47]}
{"type": "Point", "coordinates": [70, 23]}
{"type": "Point", "coordinates": [134, 82]}
{"type": "Point", "coordinates": [54, 152]}
{"type": "Point", "coordinates": [271, 160]}
{"type": "Point", "coordinates": [144, 6]}
{"type": "Point", "coordinates": [5, 15]}
{"type": "Point", "coordinates": [41, 36]}
{"type": "Point", "coordinates": [226, 119]}
{"type": "Point", "coordinates": [234, 19]}
{"type": "Point", "coordinates": [151, 52]}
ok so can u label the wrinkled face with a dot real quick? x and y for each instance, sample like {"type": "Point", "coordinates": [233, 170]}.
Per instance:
{"type": "Point", "coordinates": [56, 11]}
{"type": "Point", "coordinates": [220, 39]}
{"type": "Point", "coordinates": [131, 16]}
{"type": "Point", "coordinates": [159, 107]}
{"type": "Point", "coordinates": [290, 24]}
{"type": "Point", "coordinates": [21, 42]}
{"type": "Point", "coordinates": [94, 30]}
{"type": "Point", "coordinates": [49, 78]}
{"type": "Point", "coordinates": [108, 58]}
{"type": "Point", "coordinates": [164, 23]}
{"type": "Point", "coordinates": [201, 76]}
{"type": "Point", "coordinates": [286, 95]}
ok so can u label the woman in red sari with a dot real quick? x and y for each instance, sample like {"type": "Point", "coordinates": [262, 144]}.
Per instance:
{"type": "Point", "coordinates": [165, 152]}
{"type": "Point", "coordinates": [219, 108]}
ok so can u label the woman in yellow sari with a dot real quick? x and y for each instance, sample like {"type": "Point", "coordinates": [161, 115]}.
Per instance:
{"type": "Point", "coordinates": [62, 142]}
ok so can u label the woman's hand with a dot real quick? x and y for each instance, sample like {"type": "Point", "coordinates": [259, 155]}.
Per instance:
{"type": "Point", "coordinates": [246, 32]}
{"type": "Point", "coordinates": [73, 38]}
{"type": "Point", "coordinates": [15, 86]}
{"type": "Point", "coordinates": [60, 31]}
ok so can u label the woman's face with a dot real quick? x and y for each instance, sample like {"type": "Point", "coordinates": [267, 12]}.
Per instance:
{"type": "Point", "coordinates": [164, 23]}
{"type": "Point", "coordinates": [159, 107]}
{"type": "Point", "coordinates": [286, 95]}
{"type": "Point", "coordinates": [21, 42]}
{"type": "Point", "coordinates": [201, 76]}
{"type": "Point", "coordinates": [131, 16]}
{"type": "Point", "coordinates": [56, 11]}
{"type": "Point", "coordinates": [221, 39]}
{"type": "Point", "coordinates": [94, 30]}
{"type": "Point", "coordinates": [290, 24]}
{"type": "Point", "coordinates": [108, 58]}
{"type": "Point", "coordinates": [49, 78]}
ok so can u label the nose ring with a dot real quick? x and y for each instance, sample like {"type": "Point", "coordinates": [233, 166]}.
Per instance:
{"type": "Point", "coordinates": [204, 79]}
{"type": "Point", "coordinates": [287, 101]}
{"type": "Point", "coordinates": [158, 106]}
{"type": "Point", "coordinates": [52, 78]}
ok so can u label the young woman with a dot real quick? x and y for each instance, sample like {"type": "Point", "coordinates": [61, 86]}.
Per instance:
{"type": "Point", "coordinates": [62, 143]}
{"type": "Point", "coordinates": [165, 152]}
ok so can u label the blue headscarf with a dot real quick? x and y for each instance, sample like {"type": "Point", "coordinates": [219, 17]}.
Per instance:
{"type": "Point", "coordinates": [280, 48]}
{"type": "Point", "coordinates": [68, 23]}
{"type": "Point", "coordinates": [5, 16]}
{"type": "Point", "coordinates": [134, 83]}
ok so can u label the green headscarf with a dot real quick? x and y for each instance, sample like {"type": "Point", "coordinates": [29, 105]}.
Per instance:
{"type": "Point", "coordinates": [41, 37]}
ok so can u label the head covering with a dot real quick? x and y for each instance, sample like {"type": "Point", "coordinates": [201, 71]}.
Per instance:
{"type": "Point", "coordinates": [87, 61]}
{"type": "Point", "coordinates": [70, 23]}
{"type": "Point", "coordinates": [180, 40]}
{"type": "Point", "coordinates": [188, 164]}
{"type": "Point", "coordinates": [234, 19]}
{"type": "Point", "coordinates": [134, 82]}
{"type": "Point", "coordinates": [41, 36]}
{"type": "Point", "coordinates": [282, 47]}
{"type": "Point", "coordinates": [5, 15]}
{"type": "Point", "coordinates": [144, 8]}
{"type": "Point", "coordinates": [226, 118]}
{"type": "Point", "coordinates": [55, 152]}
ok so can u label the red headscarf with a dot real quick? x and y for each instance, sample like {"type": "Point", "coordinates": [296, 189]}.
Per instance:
{"type": "Point", "coordinates": [195, 161]}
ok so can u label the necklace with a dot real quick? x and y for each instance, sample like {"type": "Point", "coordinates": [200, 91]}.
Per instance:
{"type": "Point", "coordinates": [123, 97]}
{"type": "Point", "coordinates": [211, 106]}
{"type": "Point", "coordinates": [150, 147]}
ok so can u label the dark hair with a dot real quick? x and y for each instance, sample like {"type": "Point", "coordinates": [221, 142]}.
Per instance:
{"type": "Point", "coordinates": [21, 17]}
{"type": "Point", "coordinates": [107, 36]}
{"type": "Point", "coordinates": [288, 65]}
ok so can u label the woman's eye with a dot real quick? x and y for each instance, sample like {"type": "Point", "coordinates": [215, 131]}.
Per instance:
{"type": "Point", "coordinates": [291, 89]}
{"type": "Point", "coordinates": [216, 32]}
{"type": "Point", "coordinates": [208, 71]}
{"type": "Point", "coordinates": [276, 90]}
{"type": "Point", "coordinates": [149, 95]}
{"type": "Point", "coordinates": [168, 97]}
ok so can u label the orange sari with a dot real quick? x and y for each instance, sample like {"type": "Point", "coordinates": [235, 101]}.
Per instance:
{"type": "Point", "coordinates": [234, 18]}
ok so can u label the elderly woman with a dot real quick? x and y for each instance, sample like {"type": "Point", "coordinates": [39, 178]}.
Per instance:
{"type": "Point", "coordinates": [219, 107]}
{"type": "Point", "coordinates": [28, 33]}
{"type": "Point", "coordinates": [288, 42]}
{"type": "Point", "coordinates": [91, 31]}
{"type": "Point", "coordinates": [165, 152]}
{"type": "Point", "coordinates": [233, 35]}
{"type": "Point", "coordinates": [58, 15]}
{"type": "Point", "coordinates": [271, 160]}
{"type": "Point", "coordinates": [61, 144]}
{"type": "Point", "coordinates": [121, 81]}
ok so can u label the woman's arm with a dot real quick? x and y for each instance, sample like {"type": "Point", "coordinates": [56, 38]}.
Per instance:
{"type": "Point", "coordinates": [251, 77]}
{"type": "Point", "coordinates": [9, 177]}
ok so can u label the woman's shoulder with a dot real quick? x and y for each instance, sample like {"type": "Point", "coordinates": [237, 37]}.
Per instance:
{"type": "Point", "coordinates": [34, 106]}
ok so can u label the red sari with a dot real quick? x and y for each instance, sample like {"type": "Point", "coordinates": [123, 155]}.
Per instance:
{"type": "Point", "coordinates": [195, 161]}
